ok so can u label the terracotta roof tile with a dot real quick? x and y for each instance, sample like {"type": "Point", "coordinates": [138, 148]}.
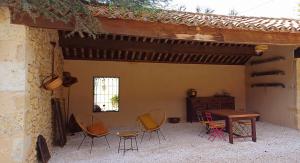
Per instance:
{"type": "Point", "coordinates": [198, 19]}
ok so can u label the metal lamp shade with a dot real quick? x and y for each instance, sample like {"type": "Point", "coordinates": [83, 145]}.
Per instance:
{"type": "Point", "coordinates": [53, 83]}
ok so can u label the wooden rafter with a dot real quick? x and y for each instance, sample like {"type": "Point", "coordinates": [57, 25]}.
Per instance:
{"type": "Point", "coordinates": [134, 45]}
{"type": "Point", "coordinates": [110, 47]}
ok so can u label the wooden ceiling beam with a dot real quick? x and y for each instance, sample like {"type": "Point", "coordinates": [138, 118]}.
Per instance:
{"type": "Point", "coordinates": [170, 31]}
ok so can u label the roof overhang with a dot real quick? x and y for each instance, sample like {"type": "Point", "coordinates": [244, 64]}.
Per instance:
{"type": "Point", "coordinates": [171, 31]}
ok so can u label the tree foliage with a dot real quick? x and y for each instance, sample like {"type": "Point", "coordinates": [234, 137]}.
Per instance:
{"type": "Point", "coordinates": [76, 11]}
{"type": "Point", "coordinates": [135, 5]}
{"type": "Point", "coordinates": [233, 12]}
{"type": "Point", "coordinates": [205, 11]}
{"type": "Point", "coordinates": [181, 8]}
{"type": "Point", "coordinates": [209, 11]}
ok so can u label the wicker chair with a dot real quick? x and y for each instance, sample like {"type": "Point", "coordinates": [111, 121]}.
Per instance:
{"type": "Point", "coordinates": [242, 128]}
{"type": "Point", "coordinates": [147, 123]}
{"type": "Point", "coordinates": [95, 130]}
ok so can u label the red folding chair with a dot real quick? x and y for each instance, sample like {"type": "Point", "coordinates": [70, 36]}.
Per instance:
{"type": "Point", "coordinates": [216, 129]}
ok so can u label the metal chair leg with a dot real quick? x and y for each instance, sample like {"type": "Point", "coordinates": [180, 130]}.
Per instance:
{"type": "Point", "coordinates": [201, 133]}
{"type": "Point", "coordinates": [158, 136]}
{"type": "Point", "coordinates": [162, 134]}
{"type": "Point", "coordinates": [119, 145]}
{"type": "Point", "coordinates": [150, 135]}
{"type": "Point", "coordinates": [137, 148]}
{"type": "Point", "coordinates": [107, 142]}
{"type": "Point", "coordinates": [124, 146]}
{"type": "Point", "coordinates": [142, 136]}
{"type": "Point", "coordinates": [92, 144]}
{"type": "Point", "coordinates": [81, 142]}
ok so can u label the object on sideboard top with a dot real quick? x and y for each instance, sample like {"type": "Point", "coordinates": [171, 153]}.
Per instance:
{"type": "Point", "coordinates": [265, 60]}
{"type": "Point", "coordinates": [173, 119]}
{"type": "Point", "coordinates": [268, 85]}
{"type": "Point", "coordinates": [191, 92]}
{"type": "Point", "coordinates": [222, 94]}
{"type": "Point", "coordinates": [263, 73]}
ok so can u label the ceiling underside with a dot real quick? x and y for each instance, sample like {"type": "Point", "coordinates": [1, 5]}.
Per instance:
{"type": "Point", "coordinates": [110, 47]}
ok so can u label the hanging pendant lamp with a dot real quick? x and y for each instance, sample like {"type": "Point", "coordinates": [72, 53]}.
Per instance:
{"type": "Point", "coordinates": [52, 81]}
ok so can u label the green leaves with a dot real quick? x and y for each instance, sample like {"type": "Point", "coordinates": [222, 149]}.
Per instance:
{"type": "Point", "coordinates": [115, 101]}
{"type": "Point", "coordinates": [77, 11]}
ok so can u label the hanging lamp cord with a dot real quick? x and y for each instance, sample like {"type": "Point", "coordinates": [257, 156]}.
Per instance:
{"type": "Point", "coordinates": [53, 48]}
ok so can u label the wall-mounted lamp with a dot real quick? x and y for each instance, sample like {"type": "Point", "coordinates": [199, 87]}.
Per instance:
{"type": "Point", "coordinates": [260, 49]}
{"type": "Point", "coordinates": [51, 83]}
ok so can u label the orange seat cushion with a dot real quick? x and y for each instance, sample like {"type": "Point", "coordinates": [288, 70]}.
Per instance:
{"type": "Point", "coordinates": [148, 122]}
{"type": "Point", "coordinates": [97, 128]}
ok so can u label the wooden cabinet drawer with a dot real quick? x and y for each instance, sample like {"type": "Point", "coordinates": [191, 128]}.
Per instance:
{"type": "Point", "coordinates": [204, 103]}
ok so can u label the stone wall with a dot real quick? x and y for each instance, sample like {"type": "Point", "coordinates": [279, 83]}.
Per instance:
{"type": "Point", "coordinates": [25, 60]}
{"type": "Point", "coordinates": [38, 115]}
{"type": "Point", "coordinates": [12, 89]}
{"type": "Point", "coordinates": [298, 92]}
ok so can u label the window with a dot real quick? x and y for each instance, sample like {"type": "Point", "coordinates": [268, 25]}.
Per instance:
{"type": "Point", "coordinates": [106, 94]}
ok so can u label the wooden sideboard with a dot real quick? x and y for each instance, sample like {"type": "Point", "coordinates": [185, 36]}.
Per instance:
{"type": "Point", "coordinates": [205, 103]}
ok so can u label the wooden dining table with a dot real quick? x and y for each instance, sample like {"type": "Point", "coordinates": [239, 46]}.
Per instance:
{"type": "Point", "coordinates": [233, 115]}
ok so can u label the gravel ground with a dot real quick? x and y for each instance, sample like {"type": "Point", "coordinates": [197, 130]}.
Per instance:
{"type": "Point", "coordinates": [274, 144]}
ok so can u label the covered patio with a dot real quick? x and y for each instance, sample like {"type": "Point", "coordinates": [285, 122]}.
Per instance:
{"type": "Point", "coordinates": [246, 64]}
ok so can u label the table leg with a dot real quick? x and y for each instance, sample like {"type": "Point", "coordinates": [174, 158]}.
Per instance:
{"type": "Point", "coordinates": [253, 129]}
{"type": "Point", "coordinates": [119, 145]}
{"type": "Point", "coordinates": [229, 128]}
{"type": "Point", "coordinates": [124, 146]}
{"type": "Point", "coordinates": [158, 136]}
{"type": "Point", "coordinates": [227, 125]}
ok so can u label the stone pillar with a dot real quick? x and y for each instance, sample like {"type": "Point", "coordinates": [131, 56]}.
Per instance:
{"type": "Point", "coordinates": [12, 89]}
{"type": "Point", "coordinates": [25, 60]}
{"type": "Point", "coordinates": [298, 92]}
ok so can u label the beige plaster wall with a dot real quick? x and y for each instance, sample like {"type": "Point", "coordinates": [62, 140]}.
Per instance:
{"type": "Point", "coordinates": [147, 86]}
{"type": "Point", "coordinates": [276, 105]}
{"type": "Point", "coordinates": [25, 108]}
